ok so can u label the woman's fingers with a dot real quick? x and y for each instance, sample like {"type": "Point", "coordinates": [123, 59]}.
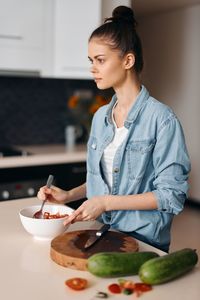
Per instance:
{"type": "Point", "coordinates": [41, 194]}
{"type": "Point", "coordinates": [77, 215]}
{"type": "Point", "coordinates": [72, 217]}
{"type": "Point", "coordinates": [82, 213]}
{"type": "Point", "coordinates": [50, 194]}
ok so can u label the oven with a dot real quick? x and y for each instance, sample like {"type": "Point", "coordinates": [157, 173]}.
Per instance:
{"type": "Point", "coordinates": [25, 181]}
{"type": "Point", "coordinates": [12, 184]}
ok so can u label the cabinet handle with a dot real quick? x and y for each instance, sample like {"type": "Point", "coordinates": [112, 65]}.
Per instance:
{"type": "Point", "coordinates": [10, 37]}
{"type": "Point", "coordinates": [77, 170]}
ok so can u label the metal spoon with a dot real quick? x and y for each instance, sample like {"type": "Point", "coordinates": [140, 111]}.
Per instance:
{"type": "Point", "coordinates": [39, 214]}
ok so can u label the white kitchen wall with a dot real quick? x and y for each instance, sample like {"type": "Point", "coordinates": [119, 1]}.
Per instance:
{"type": "Point", "coordinates": [171, 43]}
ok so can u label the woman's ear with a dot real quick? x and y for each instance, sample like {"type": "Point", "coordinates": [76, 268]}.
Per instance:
{"type": "Point", "coordinates": [129, 61]}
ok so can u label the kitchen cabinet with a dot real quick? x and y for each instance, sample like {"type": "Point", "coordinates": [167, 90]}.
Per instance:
{"type": "Point", "coordinates": [23, 35]}
{"type": "Point", "coordinates": [73, 23]}
{"type": "Point", "coordinates": [47, 37]}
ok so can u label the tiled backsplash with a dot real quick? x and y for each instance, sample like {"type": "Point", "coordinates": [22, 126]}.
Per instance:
{"type": "Point", "coordinates": [34, 110]}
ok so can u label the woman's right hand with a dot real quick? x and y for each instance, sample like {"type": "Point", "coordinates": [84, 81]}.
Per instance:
{"type": "Point", "coordinates": [53, 194]}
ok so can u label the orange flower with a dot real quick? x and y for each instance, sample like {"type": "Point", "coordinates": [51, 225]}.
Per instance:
{"type": "Point", "coordinates": [79, 105]}
{"type": "Point", "coordinates": [93, 108]}
{"type": "Point", "coordinates": [101, 100]}
{"type": "Point", "coordinates": [73, 102]}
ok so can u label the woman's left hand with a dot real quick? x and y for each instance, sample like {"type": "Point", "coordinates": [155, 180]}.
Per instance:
{"type": "Point", "coordinates": [89, 210]}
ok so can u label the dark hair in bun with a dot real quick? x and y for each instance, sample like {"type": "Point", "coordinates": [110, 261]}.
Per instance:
{"type": "Point", "coordinates": [119, 31]}
{"type": "Point", "coordinates": [123, 14]}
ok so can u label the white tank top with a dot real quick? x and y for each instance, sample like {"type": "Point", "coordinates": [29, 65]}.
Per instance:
{"type": "Point", "coordinates": [109, 152]}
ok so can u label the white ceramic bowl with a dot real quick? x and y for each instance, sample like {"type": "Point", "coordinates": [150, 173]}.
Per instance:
{"type": "Point", "coordinates": [44, 228]}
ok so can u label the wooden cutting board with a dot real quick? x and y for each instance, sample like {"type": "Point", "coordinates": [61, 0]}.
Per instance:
{"type": "Point", "coordinates": [67, 249]}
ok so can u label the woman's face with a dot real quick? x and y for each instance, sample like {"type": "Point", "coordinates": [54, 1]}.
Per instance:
{"type": "Point", "coordinates": [107, 66]}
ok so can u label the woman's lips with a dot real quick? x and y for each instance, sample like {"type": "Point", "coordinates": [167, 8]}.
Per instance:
{"type": "Point", "coordinates": [97, 79]}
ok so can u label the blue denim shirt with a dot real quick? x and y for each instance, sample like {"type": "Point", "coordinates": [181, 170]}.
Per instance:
{"type": "Point", "coordinates": [153, 158]}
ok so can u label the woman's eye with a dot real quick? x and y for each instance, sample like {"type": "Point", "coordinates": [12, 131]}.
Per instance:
{"type": "Point", "coordinates": [101, 61]}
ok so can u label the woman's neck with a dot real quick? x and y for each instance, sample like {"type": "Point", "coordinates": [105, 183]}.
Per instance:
{"type": "Point", "coordinates": [128, 92]}
{"type": "Point", "coordinates": [126, 97]}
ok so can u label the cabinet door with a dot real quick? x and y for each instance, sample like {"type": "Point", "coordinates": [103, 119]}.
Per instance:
{"type": "Point", "coordinates": [22, 30]}
{"type": "Point", "coordinates": [74, 22]}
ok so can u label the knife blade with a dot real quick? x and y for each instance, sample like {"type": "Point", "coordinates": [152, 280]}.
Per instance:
{"type": "Point", "coordinates": [98, 234]}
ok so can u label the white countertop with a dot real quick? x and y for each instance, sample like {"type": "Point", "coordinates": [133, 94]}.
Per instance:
{"type": "Point", "coordinates": [27, 271]}
{"type": "Point", "coordinates": [45, 155]}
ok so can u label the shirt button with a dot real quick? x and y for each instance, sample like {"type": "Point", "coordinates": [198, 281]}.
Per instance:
{"type": "Point", "coordinates": [116, 170]}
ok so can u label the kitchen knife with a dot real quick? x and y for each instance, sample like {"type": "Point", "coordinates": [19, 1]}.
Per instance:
{"type": "Point", "coordinates": [97, 235]}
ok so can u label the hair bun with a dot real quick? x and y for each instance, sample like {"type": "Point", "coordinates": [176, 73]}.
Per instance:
{"type": "Point", "coordinates": [124, 13]}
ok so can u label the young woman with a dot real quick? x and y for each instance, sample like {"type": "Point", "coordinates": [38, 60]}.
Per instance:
{"type": "Point", "coordinates": [137, 164]}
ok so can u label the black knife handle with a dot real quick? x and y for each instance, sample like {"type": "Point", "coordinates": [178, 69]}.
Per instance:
{"type": "Point", "coordinates": [103, 229]}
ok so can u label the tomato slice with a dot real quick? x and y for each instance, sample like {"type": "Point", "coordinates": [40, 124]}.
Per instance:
{"type": "Point", "coordinates": [143, 287]}
{"type": "Point", "coordinates": [114, 288]}
{"type": "Point", "coordinates": [76, 283]}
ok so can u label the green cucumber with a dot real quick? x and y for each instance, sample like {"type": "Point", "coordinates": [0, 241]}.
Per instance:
{"type": "Point", "coordinates": [168, 267]}
{"type": "Point", "coordinates": [116, 264]}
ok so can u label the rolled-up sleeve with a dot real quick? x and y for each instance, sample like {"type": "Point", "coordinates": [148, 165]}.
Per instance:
{"type": "Point", "coordinates": [172, 167]}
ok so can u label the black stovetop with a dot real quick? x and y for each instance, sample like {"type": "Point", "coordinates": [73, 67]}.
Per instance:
{"type": "Point", "coordinates": [6, 151]}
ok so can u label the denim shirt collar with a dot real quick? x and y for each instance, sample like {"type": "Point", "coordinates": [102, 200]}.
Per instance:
{"type": "Point", "coordinates": [134, 111]}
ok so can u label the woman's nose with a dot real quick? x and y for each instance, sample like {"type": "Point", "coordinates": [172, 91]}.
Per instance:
{"type": "Point", "coordinates": [93, 69]}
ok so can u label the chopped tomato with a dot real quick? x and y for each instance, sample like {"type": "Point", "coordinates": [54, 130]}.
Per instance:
{"type": "Point", "coordinates": [77, 283]}
{"type": "Point", "coordinates": [128, 287]}
{"type": "Point", "coordinates": [47, 215]}
{"type": "Point", "coordinates": [114, 288]}
{"type": "Point", "coordinates": [143, 287]}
